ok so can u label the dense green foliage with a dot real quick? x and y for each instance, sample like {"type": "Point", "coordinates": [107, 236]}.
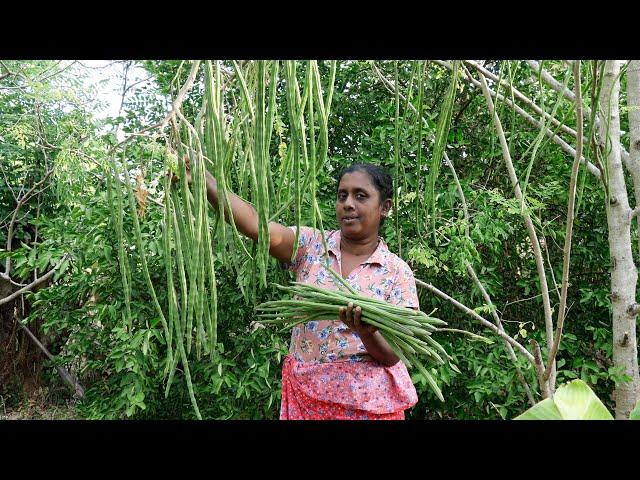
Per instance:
{"type": "Point", "coordinates": [121, 360]}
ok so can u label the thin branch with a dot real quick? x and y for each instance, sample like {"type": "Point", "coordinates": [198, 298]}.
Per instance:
{"type": "Point", "coordinates": [633, 104]}
{"type": "Point", "coordinates": [129, 87]}
{"type": "Point", "coordinates": [544, 386]}
{"type": "Point", "coordinates": [5, 222]}
{"type": "Point", "coordinates": [391, 86]}
{"type": "Point", "coordinates": [175, 106]}
{"type": "Point", "coordinates": [470, 312]}
{"type": "Point", "coordinates": [535, 244]}
{"type": "Point", "coordinates": [22, 201]}
{"type": "Point", "coordinates": [8, 72]}
{"type": "Point", "coordinates": [10, 280]}
{"type": "Point", "coordinates": [43, 278]}
{"type": "Point", "coordinates": [124, 87]}
{"type": "Point", "coordinates": [571, 96]}
{"type": "Point", "coordinates": [518, 301]}
{"type": "Point", "coordinates": [58, 72]}
{"type": "Point", "coordinates": [570, 208]}
{"type": "Point", "coordinates": [475, 278]}
{"type": "Point", "coordinates": [548, 132]}
{"type": "Point", "coordinates": [13, 193]}
{"type": "Point", "coordinates": [519, 95]}
{"type": "Point", "coordinates": [553, 275]}
{"type": "Point", "coordinates": [64, 374]}
{"type": "Point", "coordinates": [498, 322]}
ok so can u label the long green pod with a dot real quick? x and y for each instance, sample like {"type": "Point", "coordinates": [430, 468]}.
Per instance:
{"type": "Point", "coordinates": [143, 260]}
{"type": "Point", "coordinates": [366, 301]}
{"type": "Point", "coordinates": [396, 349]}
{"type": "Point", "coordinates": [117, 217]}
{"type": "Point", "coordinates": [295, 148]}
{"type": "Point", "coordinates": [397, 160]}
{"type": "Point", "coordinates": [442, 132]}
{"type": "Point", "coordinates": [419, 121]}
{"type": "Point", "coordinates": [191, 249]}
{"type": "Point", "coordinates": [172, 299]}
{"type": "Point", "coordinates": [313, 162]}
{"type": "Point", "coordinates": [428, 377]}
{"type": "Point", "coordinates": [401, 343]}
{"type": "Point", "coordinates": [179, 338]}
{"type": "Point", "coordinates": [180, 239]}
{"type": "Point", "coordinates": [270, 112]}
{"type": "Point", "coordinates": [167, 222]}
{"type": "Point", "coordinates": [439, 347]}
{"type": "Point", "coordinates": [262, 170]}
{"type": "Point", "coordinates": [213, 291]}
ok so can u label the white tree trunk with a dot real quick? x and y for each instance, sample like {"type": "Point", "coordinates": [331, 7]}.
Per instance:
{"type": "Point", "coordinates": [624, 275]}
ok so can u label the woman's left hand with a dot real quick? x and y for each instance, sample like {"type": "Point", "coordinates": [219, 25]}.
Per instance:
{"type": "Point", "coordinates": [352, 317]}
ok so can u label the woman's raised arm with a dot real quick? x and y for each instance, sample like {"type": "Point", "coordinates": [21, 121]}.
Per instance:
{"type": "Point", "coordinates": [246, 220]}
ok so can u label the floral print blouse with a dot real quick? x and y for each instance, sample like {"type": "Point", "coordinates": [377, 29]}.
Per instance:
{"type": "Point", "coordinates": [383, 275]}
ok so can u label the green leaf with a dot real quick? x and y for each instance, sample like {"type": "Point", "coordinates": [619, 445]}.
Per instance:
{"type": "Point", "coordinates": [145, 344]}
{"type": "Point", "coordinates": [635, 414]}
{"type": "Point", "coordinates": [544, 410]}
{"type": "Point", "coordinates": [576, 401]}
{"type": "Point", "coordinates": [61, 269]}
{"type": "Point", "coordinates": [573, 401]}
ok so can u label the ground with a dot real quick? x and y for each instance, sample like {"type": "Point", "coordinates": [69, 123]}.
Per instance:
{"type": "Point", "coordinates": [38, 407]}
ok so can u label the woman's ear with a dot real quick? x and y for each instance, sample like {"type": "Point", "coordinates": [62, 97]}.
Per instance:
{"type": "Point", "coordinates": [386, 207]}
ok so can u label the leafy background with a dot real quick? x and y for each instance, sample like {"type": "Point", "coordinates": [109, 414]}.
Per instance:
{"type": "Point", "coordinates": [79, 315]}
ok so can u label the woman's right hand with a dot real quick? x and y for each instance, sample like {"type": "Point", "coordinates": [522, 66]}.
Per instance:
{"type": "Point", "coordinates": [281, 238]}
{"type": "Point", "coordinates": [175, 178]}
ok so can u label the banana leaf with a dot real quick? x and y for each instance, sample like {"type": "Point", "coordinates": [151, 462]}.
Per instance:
{"type": "Point", "coordinates": [573, 401]}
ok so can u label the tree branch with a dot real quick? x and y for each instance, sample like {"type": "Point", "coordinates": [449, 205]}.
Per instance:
{"type": "Point", "coordinates": [390, 86]}
{"type": "Point", "coordinates": [43, 278]}
{"type": "Point", "coordinates": [13, 193]}
{"type": "Point", "coordinates": [7, 71]}
{"type": "Point", "coordinates": [476, 280]}
{"type": "Point", "coordinates": [58, 72]}
{"type": "Point", "coordinates": [470, 312]}
{"type": "Point", "coordinates": [533, 238]}
{"type": "Point", "coordinates": [64, 374]}
{"type": "Point", "coordinates": [569, 95]}
{"type": "Point", "coordinates": [22, 201]}
{"type": "Point", "coordinates": [519, 95]}
{"type": "Point", "coordinates": [10, 280]}
{"type": "Point", "coordinates": [175, 106]}
{"type": "Point", "coordinates": [548, 132]}
{"type": "Point", "coordinates": [539, 365]}
{"type": "Point", "coordinates": [633, 105]}
{"type": "Point", "coordinates": [569, 231]}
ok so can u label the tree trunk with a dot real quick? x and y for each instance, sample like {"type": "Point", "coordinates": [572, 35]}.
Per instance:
{"type": "Point", "coordinates": [624, 275]}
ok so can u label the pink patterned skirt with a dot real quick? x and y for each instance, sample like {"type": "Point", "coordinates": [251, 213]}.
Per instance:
{"type": "Point", "coordinates": [345, 391]}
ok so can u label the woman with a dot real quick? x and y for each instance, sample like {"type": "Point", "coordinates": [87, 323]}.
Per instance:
{"type": "Point", "coordinates": [348, 370]}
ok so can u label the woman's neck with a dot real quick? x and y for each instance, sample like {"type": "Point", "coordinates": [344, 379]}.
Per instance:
{"type": "Point", "coordinates": [359, 248]}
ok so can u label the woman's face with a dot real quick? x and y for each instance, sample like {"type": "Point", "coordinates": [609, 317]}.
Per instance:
{"type": "Point", "coordinates": [358, 207]}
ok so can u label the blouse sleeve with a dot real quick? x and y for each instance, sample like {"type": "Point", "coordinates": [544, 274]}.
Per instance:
{"type": "Point", "coordinates": [304, 241]}
{"type": "Point", "coordinates": [404, 292]}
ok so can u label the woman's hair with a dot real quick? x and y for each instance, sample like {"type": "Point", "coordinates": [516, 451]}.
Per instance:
{"type": "Point", "coordinates": [380, 179]}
